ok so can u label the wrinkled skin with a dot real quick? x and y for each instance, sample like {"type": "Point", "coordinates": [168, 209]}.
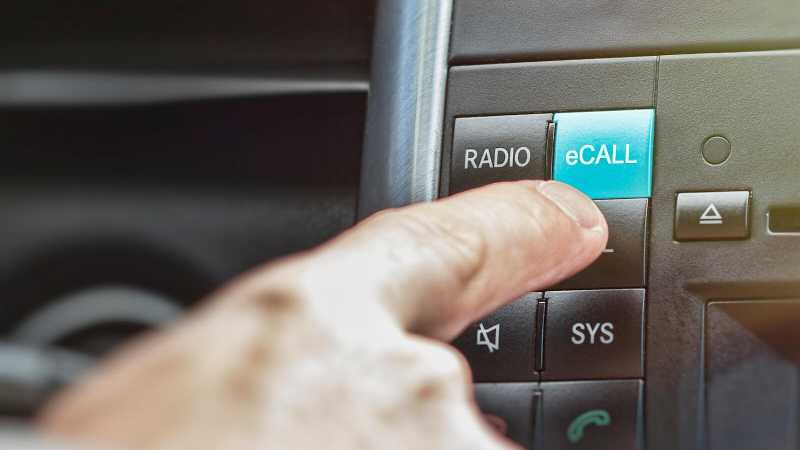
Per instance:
{"type": "Point", "coordinates": [342, 347]}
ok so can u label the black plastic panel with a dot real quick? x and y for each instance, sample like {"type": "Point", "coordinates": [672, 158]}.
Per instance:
{"type": "Point", "coordinates": [175, 198]}
{"type": "Point", "coordinates": [179, 33]}
{"type": "Point", "coordinates": [515, 30]}
{"type": "Point", "coordinates": [752, 377]}
{"type": "Point", "coordinates": [753, 100]}
{"type": "Point", "coordinates": [251, 141]}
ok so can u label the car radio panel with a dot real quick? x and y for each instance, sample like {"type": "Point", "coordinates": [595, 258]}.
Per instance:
{"type": "Point", "coordinates": [643, 137]}
{"type": "Point", "coordinates": [679, 119]}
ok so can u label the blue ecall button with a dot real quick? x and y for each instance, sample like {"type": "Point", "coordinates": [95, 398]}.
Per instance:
{"type": "Point", "coordinates": [605, 154]}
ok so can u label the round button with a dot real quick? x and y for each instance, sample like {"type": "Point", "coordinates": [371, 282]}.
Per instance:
{"type": "Point", "coordinates": [716, 150]}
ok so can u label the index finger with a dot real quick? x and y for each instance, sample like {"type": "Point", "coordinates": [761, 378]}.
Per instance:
{"type": "Point", "coordinates": [439, 266]}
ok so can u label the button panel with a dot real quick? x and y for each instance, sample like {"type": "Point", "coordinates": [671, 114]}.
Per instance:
{"type": "Point", "coordinates": [528, 358]}
{"type": "Point", "coordinates": [498, 148]}
{"type": "Point", "coordinates": [594, 334]}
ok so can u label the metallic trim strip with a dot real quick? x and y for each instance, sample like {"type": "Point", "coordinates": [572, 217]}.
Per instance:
{"type": "Point", "coordinates": [42, 88]}
{"type": "Point", "coordinates": [402, 147]}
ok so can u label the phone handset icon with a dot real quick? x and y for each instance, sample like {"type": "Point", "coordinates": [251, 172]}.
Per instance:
{"type": "Point", "coordinates": [596, 417]}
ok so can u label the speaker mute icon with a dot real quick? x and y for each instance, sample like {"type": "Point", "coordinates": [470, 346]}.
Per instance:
{"type": "Point", "coordinates": [489, 337]}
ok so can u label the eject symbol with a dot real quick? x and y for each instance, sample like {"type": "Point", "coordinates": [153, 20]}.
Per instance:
{"type": "Point", "coordinates": [711, 216]}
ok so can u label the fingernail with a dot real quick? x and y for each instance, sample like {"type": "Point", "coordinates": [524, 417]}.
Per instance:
{"type": "Point", "coordinates": [574, 204]}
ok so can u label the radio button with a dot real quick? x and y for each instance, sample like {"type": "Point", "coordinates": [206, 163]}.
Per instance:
{"type": "Point", "coordinates": [498, 148]}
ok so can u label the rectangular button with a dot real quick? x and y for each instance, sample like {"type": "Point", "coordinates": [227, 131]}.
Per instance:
{"type": "Point", "coordinates": [498, 148]}
{"type": "Point", "coordinates": [513, 409]}
{"type": "Point", "coordinates": [500, 347]}
{"type": "Point", "coordinates": [605, 154]}
{"type": "Point", "coordinates": [594, 334]}
{"type": "Point", "coordinates": [596, 415]}
{"type": "Point", "coordinates": [784, 219]}
{"type": "Point", "coordinates": [622, 263]}
{"type": "Point", "coordinates": [712, 215]}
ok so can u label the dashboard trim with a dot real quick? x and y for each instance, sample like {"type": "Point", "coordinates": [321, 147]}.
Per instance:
{"type": "Point", "coordinates": [406, 105]}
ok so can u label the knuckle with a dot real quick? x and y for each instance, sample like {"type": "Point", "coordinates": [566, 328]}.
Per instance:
{"type": "Point", "coordinates": [276, 300]}
{"type": "Point", "coordinates": [458, 246]}
{"type": "Point", "coordinates": [444, 374]}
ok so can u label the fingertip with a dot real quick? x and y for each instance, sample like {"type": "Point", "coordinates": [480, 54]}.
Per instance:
{"type": "Point", "coordinates": [573, 203]}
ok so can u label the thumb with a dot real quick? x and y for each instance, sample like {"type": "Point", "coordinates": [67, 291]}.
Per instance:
{"type": "Point", "coordinates": [439, 266]}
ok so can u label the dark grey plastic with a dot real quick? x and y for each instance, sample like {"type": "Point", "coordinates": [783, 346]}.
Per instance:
{"type": "Point", "coordinates": [750, 98]}
{"type": "Point", "coordinates": [514, 30]}
{"type": "Point", "coordinates": [753, 99]}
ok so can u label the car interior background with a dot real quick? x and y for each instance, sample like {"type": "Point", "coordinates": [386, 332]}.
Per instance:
{"type": "Point", "coordinates": [152, 152]}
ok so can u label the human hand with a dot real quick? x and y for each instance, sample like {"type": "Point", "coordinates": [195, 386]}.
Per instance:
{"type": "Point", "coordinates": [341, 347]}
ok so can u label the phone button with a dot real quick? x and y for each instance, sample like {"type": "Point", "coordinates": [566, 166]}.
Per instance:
{"type": "Point", "coordinates": [597, 415]}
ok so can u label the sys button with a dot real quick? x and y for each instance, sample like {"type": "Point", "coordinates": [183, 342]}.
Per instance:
{"type": "Point", "coordinates": [498, 148]}
{"type": "Point", "coordinates": [594, 334]}
{"type": "Point", "coordinates": [605, 154]}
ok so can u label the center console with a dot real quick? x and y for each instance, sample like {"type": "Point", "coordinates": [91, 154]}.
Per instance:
{"type": "Point", "coordinates": [680, 120]}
